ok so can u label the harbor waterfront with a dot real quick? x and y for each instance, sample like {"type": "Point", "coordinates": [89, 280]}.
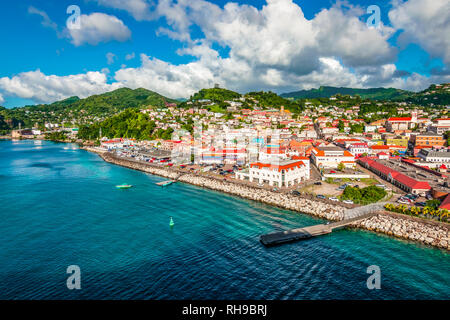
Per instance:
{"type": "Point", "coordinates": [416, 229]}
{"type": "Point", "coordinates": [61, 207]}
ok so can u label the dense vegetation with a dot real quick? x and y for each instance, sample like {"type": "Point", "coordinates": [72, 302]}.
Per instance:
{"type": "Point", "coordinates": [131, 123]}
{"type": "Point", "coordinates": [215, 95]}
{"type": "Point", "coordinates": [429, 212]}
{"type": "Point", "coordinates": [56, 136]}
{"type": "Point", "coordinates": [327, 92]}
{"type": "Point", "coordinates": [432, 95]}
{"type": "Point", "coordinates": [75, 111]}
{"type": "Point", "coordinates": [272, 100]}
{"type": "Point", "coordinates": [365, 195]}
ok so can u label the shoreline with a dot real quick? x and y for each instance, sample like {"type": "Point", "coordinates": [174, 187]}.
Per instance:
{"type": "Point", "coordinates": [430, 233]}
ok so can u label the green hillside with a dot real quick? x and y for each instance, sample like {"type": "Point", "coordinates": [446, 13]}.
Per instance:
{"type": "Point", "coordinates": [130, 123]}
{"type": "Point", "coordinates": [373, 93]}
{"type": "Point", "coordinates": [435, 94]}
{"type": "Point", "coordinates": [268, 99]}
{"type": "Point", "coordinates": [215, 94]}
{"type": "Point", "coordinates": [85, 110]}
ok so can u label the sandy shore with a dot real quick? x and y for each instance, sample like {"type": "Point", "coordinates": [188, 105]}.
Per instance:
{"type": "Point", "coordinates": [405, 227]}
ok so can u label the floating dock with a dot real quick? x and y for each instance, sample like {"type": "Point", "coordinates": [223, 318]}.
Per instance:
{"type": "Point", "coordinates": [165, 183]}
{"type": "Point", "coordinates": [276, 238]}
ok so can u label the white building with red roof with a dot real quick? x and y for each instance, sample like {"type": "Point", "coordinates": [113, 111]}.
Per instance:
{"type": "Point", "coordinates": [401, 123]}
{"type": "Point", "coordinates": [330, 157]}
{"type": "Point", "coordinates": [284, 173]}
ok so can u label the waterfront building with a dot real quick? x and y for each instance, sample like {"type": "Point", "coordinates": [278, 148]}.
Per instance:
{"type": "Point", "coordinates": [398, 179]}
{"type": "Point", "coordinates": [284, 173]}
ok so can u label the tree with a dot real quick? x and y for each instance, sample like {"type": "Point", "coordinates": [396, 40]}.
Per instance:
{"type": "Point", "coordinates": [341, 166]}
{"type": "Point", "coordinates": [341, 126]}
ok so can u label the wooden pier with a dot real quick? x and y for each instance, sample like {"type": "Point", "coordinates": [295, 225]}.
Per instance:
{"type": "Point", "coordinates": [276, 238]}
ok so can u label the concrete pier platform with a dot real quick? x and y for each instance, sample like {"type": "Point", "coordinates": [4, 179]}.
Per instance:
{"type": "Point", "coordinates": [276, 238]}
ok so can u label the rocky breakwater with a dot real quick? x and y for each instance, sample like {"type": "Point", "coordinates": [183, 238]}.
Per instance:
{"type": "Point", "coordinates": [136, 165]}
{"type": "Point", "coordinates": [415, 229]}
{"type": "Point", "coordinates": [282, 200]}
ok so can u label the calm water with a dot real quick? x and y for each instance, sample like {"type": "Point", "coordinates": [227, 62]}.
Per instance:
{"type": "Point", "coordinates": [59, 207]}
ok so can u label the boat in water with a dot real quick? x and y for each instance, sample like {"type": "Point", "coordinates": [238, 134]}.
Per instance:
{"type": "Point", "coordinates": [171, 223]}
{"type": "Point", "coordinates": [124, 186]}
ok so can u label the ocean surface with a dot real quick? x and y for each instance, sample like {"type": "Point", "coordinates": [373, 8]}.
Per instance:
{"type": "Point", "coordinates": [59, 207]}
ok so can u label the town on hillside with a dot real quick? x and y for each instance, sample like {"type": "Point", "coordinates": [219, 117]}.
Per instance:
{"type": "Point", "coordinates": [338, 149]}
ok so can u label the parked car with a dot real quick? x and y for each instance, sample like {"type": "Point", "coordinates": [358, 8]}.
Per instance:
{"type": "Point", "coordinates": [296, 193]}
{"type": "Point", "coordinates": [318, 183]}
{"type": "Point", "coordinates": [421, 204]}
{"type": "Point", "coordinates": [402, 201]}
{"type": "Point", "coordinates": [348, 201]}
{"type": "Point", "coordinates": [334, 199]}
{"type": "Point", "coordinates": [320, 196]}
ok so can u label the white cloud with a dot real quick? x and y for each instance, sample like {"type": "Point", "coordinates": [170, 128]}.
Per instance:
{"type": "Point", "coordinates": [46, 21]}
{"type": "Point", "coordinates": [166, 78]}
{"type": "Point", "coordinates": [426, 22]}
{"type": "Point", "coordinates": [43, 88]}
{"type": "Point", "coordinates": [130, 56]}
{"type": "Point", "coordinates": [273, 48]}
{"type": "Point", "coordinates": [139, 9]}
{"type": "Point", "coordinates": [1, 98]}
{"type": "Point", "coordinates": [99, 27]}
{"type": "Point", "coordinates": [110, 58]}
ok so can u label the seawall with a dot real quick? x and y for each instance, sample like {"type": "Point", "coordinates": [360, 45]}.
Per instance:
{"type": "Point", "coordinates": [405, 227]}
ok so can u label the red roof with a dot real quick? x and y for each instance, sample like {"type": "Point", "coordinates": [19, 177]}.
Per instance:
{"type": "Point", "coordinates": [400, 177]}
{"type": "Point", "coordinates": [399, 119]}
{"type": "Point", "coordinates": [297, 164]}
{"type": "Point", "coordinates": [446, 203]}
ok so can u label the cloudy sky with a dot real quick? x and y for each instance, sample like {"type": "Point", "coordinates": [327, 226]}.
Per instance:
{"type": "Point", "coordinates": [178, 47]}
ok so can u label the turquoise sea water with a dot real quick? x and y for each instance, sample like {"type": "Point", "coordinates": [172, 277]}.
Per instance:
{"type": "Point", "coordinates": [59, 207]}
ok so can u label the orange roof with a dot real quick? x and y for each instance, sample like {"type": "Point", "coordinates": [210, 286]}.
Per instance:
{"type": "Point", "coordinates": [299, 158]}
{"type": "Point", "coordinates": [377, 147]}
{"type": "Point", "coordinates": [347, 154]}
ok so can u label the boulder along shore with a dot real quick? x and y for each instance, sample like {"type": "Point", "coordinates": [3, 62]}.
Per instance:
{"type": "Point", "coordinates": [405, 227]}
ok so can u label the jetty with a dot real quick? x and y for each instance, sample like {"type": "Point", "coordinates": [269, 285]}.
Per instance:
{"type": "Point", "coordinates": [351, 216]}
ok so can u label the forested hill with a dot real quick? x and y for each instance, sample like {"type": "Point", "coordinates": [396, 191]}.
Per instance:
{"type": "Point", "coordinates": [96, 106]}
{"type": "Point", "coordinates": [118, 100]}
{"type": "Point", "coordinates": [215, 94]}
{"type": "Point", "coordinates": [373, 93]}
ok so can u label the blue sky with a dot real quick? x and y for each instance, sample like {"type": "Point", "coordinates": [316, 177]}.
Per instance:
{"type": "Point", "coordinates": [178, 47]}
